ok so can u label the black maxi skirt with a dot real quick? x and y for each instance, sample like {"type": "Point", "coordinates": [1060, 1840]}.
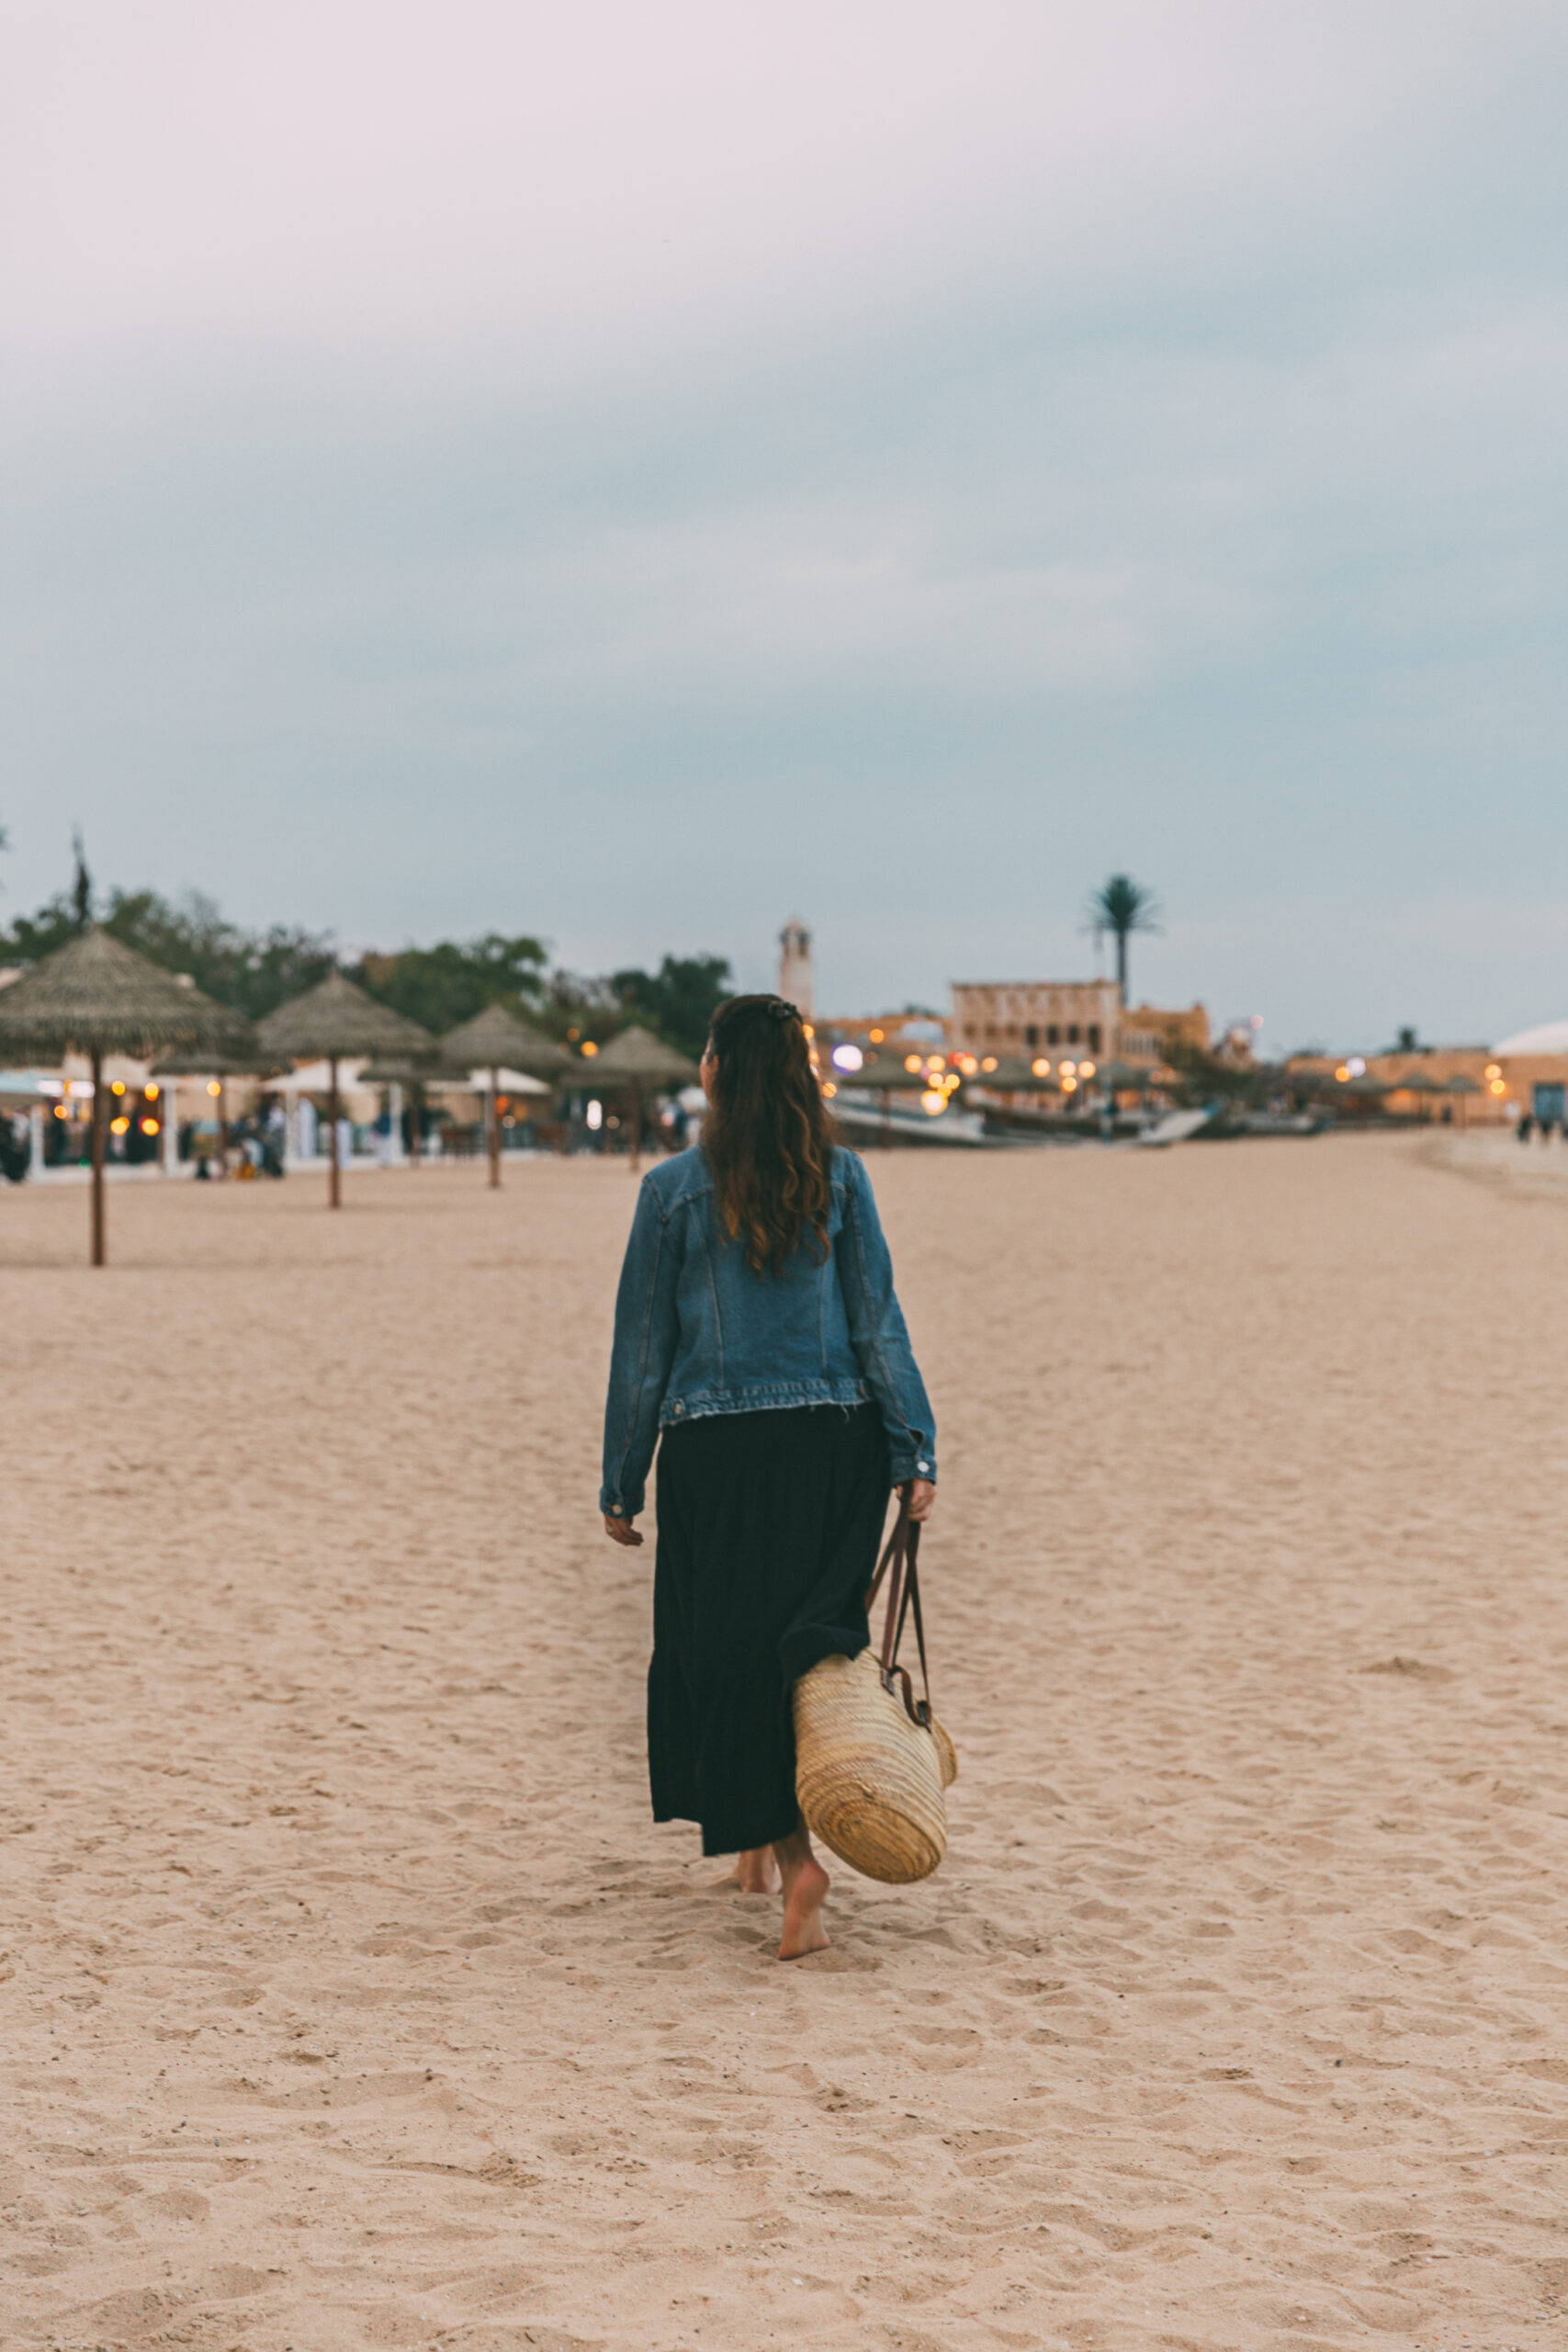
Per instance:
{"type": "Point", "coordinates": [768, 1525]}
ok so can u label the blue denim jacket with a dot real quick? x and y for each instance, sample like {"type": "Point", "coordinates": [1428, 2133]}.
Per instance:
{"type": "Point", "coordinates": [697, 1332]}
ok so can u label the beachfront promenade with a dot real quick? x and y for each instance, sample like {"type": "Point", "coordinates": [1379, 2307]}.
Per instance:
{"type": "Point", "coordinates": [353, 2000]}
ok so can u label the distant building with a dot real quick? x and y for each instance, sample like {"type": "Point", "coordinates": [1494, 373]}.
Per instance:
{"type": "Point", "coordinates": [1026, 1017]}
{"type": "Point", "coordinates": [909, 1032]}
{"type": "Point", "coordinates": [1463, 1085]}
{"type": "Point", "coordinates": [797, 983]}
{"type": "Point", "coordinates": [1149, 1035]}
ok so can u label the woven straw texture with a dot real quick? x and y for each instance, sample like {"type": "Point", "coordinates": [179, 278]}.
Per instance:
{"type": "Point", "coordinates": [869, 1782]}
{"type": "Point", "coordinates": [95, 995]}
{"type": "Point", "coordinates": [496, 1039]}
{"type": "Point", "coordinates": [336, 1018]}
{"type": "Point", "coordinates": [635, 1057]}
{"type": "Point", "coordinates": [237, 1054]}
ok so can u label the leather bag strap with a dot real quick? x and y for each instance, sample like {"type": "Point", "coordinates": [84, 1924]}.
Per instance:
{"type": "Point", "coordinates": [899, 1565]}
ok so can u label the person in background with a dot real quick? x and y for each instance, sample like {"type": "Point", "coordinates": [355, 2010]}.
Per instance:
{"type": "Point", "coordinates": [759, 1345]}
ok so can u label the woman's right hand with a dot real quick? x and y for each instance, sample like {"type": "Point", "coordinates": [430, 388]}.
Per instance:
{"type": "Point", "coordinates": [922, 1496]}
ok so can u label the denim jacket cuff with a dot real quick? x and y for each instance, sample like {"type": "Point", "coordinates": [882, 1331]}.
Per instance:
{"type": "Point", "coordinates": [904, 1465]}
{"type": "Point", "coordinates": [620, 1506]}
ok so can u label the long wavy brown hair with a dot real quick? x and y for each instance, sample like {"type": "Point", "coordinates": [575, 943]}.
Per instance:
{"type": "Point", "coordinates": [768, 1140]}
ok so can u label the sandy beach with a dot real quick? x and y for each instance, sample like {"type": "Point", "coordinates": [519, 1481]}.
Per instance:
{"type": "Point", "coordinates": [352, 1999]}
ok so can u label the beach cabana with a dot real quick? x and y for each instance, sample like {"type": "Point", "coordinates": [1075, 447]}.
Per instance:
{"type": "Point", "coordinates": [493, 1041]}
{"type": "Point", "coordinates": [634, 1063]}
{"type": "Point", "coordinates": [412, 1077]}
{"type": "Point", "coordinates": [95, 996]}
{"type": "Point", "coordinates": [238, 1055]}
{"type": "Point", "coordinates": [338, 1022]}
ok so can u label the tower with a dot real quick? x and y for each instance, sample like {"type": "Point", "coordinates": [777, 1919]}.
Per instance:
{"type": "Point", "coordinates": [794, 967]}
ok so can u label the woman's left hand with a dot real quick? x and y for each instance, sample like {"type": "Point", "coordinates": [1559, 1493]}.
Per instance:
{"type": "Point", "coordinates": [621, 1530]}
{"type": "Point", "coordinates": [922, 1496]}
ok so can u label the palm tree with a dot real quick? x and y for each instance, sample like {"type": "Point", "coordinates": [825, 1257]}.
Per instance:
{"type": "Point", "coordinates": [1122, 907]}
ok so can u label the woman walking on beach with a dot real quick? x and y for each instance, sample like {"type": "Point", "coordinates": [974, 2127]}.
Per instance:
{"type": "Point", "coordinates": [759, 1343]}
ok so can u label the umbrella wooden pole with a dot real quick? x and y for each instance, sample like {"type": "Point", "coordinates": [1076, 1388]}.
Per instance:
{"type": "Point", "coordinates": [98, 1151]}
{"type": "Point", "coordinates": [335, 1191]}
{"type": "Point", "coordinates": [495, 1137]}
{"type": "Point", "coordinates": [416, 1105]}
{"type": "Point", "coordinates": [636, 1128]}
{"type": "Point", "coordinates": [222, 1125]}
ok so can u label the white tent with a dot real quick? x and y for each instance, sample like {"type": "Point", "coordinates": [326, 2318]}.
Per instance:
{"type": "Point", "coordinates": [314, 1077]}
{"type": "Point", "coordinates": [512, 1081]}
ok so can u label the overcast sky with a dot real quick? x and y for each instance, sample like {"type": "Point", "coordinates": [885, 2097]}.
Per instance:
{"type": "Point", "coordinates": [633, 474]}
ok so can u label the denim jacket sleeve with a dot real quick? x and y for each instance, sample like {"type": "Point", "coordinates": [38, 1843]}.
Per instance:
{"type": "Point", "coordinates": [877, 1330]}
{"type": "Point", "coordinates": [647, 1328]}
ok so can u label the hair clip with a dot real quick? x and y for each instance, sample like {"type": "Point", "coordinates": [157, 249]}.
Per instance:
{"type": "Point", "coordinates": [781, 1011]}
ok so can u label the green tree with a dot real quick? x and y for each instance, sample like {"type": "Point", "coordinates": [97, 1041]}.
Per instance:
{"type": "Point", "coordinates": [574, 1006]}
{"type": "Point", "coordinates": [1121, 906]}
{"type": "Point", "coordinates": [450, 982]}
{"type": "Point", "coordinates": [250, 970]}
{"type": "Point", "coordinates": [678, 1001]}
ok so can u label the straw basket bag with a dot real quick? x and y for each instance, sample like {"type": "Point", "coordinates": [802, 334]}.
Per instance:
{"type": "Point", "coordinates": [872, 1762]}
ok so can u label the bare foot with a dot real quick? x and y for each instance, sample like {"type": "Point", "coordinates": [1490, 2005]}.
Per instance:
{"type": "Point", "coordinates": [806, 1884]}
{"type": "Point", "coordinates": [755, 1871]}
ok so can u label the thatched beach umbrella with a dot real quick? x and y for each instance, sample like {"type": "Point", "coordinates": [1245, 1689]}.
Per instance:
{"type": "Point", "coordinates": [335, 1020]}
{"type": "Point", "coordinates": [239, 1053]}
{"type": "Point", "coordinates": [1012, 1076]}
{"type": "Point", "coordinates": [1417, 1082]}
{"type": "Point", "coordinates": [496, 1040]}
{"type": "Point", "coordinates": [633, 1062]}
{"type": "Point", "coordinates": [1461, 1086]}
{"type": "Point", "coordinates": [95, 996]}
{"type": "Point", "coordinates": [885, 1074]}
